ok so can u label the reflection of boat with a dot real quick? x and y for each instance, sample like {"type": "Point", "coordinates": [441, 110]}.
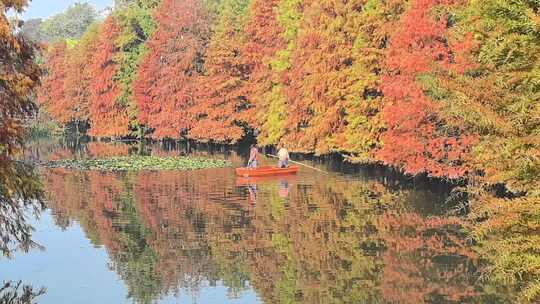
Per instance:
{"type": "Point", "coordinates": [266, 171]}
{"type": "Point", "coordinates": [246, 181]}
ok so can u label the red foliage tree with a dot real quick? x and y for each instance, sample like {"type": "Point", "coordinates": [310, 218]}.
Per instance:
{"type": "Point", "coordinates": [417, 139]}
{"type": "Point", "coordinates": [219, 98]}
{"type": "Point", "coordinates": [51, 93]}
{"type": "Point", "coordinates": [165, 83]}
{"type": "Point", "coordinates": [108, 118]}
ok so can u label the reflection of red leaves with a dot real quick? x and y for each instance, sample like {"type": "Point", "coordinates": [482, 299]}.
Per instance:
{"type": "Point", "coordinates": [103, 150]}
{"type": "Point", "coordinates": [197, 225]}
{"type": "Point", "coordinates": [173, 206]}
{"type": "Point", "coordinates": [88, 197]}
{"type": "Point", "coordinates": [413, 242]}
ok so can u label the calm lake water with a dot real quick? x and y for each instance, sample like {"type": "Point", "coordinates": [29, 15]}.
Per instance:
{"type": "Point", "coordinates": [350, 236]}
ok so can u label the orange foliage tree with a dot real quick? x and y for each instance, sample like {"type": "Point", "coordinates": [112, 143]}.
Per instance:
{"type": "Point", "coordinates": [107, 116]}
{"type": "Point", "coordinates": [51, 93]}
{"type": "Point", "coordinates": [329, 75]}
{"type": "Point", "coordinates": [78, 77]}
{"type": "Point", "coordinates": [19, 77]}
{"type": "Point", "coordinates": [417, 139]}
{"type": "Point", "coordinates": [363, 123]}
{"type": "Point", "coordinates": [262, 40]}
{"type": "Point", "coordinates": [219, 99]}
{"type": "Point", "coordinates": [20, 190]}
{"type": "Point", "coordinates": [165, 84]}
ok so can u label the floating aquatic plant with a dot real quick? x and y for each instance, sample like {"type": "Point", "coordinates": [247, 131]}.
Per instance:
{"type": "Point", "coordinates": [138, 163]}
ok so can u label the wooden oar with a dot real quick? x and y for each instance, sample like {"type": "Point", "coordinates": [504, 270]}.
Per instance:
{"type": "Point", "coordinates": [301, 164]}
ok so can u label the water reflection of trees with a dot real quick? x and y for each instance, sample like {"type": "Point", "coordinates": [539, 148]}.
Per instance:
{"type": "Point", "coordinates": [18, 293]}
{"type": "Point", "coordinates": [328, 242]}
{"type": "Point", "coordinates": [426, 260]}
{"type": "Point", "coordinates": [20, 197]}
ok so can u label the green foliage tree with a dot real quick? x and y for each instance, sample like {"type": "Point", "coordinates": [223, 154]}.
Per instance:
{"type": "Point", "coordinates": [70, 24]}
{"type": "Point", "coordinates": [499, 100]}
{"type": "Point", "coordinates": [137, 25]}
{"type": "Point", "coordinates": [31, 29]}
{"type": "Point", "coordinates": [123, 4]}
{"type": "Point", "coordinates": [273, 105]}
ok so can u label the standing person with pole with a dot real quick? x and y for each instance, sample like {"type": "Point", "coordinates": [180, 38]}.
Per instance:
{"type": "Point", "coordinates": [283, 157]}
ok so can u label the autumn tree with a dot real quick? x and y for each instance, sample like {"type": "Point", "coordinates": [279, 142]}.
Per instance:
{"type": "Point", "coordinates": [333, 98]}
{"type": "Point", "coordinates": [78, 78]}
{"type": "Point", "coordinates": [282, 19]}
{"type": "Point", "coordinates": [262, 40]}
{"type": "Point", "coordinates": [499, 101]}
{"type": "Point", "coordinates": [19, 76]}
{"type": "Point", "coordinates": [417, 138]}
{"type": "Point", "coordinates": [20, 190]}
{"type": "Point", "coordinates": [219, 98]}
{"type": "Point", "coordinates": [360, 136]}
{"type": "Point", "coordinates": [107, 116]}
{"type": "Point", "coordinates": [164, 87]}
{"type": "Point", "coordinates": [51, 94]}
{"type": "Point", "coordinates": [137, 25]}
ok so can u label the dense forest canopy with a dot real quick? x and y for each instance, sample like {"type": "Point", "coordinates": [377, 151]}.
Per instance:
{"type": "Point", "coordinates": [378, 81]}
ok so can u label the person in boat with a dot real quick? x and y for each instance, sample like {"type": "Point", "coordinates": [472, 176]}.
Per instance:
{"type": "Point", "coordinates": [283, 157]}
{"type": "Point", "coordinates": [253, 161]}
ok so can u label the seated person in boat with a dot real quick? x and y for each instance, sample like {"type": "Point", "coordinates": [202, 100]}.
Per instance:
{"type": "Point", "coordinates": [283, 157]}
{"type": "Point", "coordinates": [253, 161]}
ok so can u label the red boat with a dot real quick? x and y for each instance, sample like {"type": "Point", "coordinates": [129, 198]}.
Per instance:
{"type": "Point", "coordinates": [266, 171]}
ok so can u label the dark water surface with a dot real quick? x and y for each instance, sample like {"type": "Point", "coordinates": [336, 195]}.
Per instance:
{"type": "Point", "coordinates": [355, 236]}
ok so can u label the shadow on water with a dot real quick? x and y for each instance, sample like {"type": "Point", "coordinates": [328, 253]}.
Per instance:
{"type": "Point", "coordinates": [21, 198]}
